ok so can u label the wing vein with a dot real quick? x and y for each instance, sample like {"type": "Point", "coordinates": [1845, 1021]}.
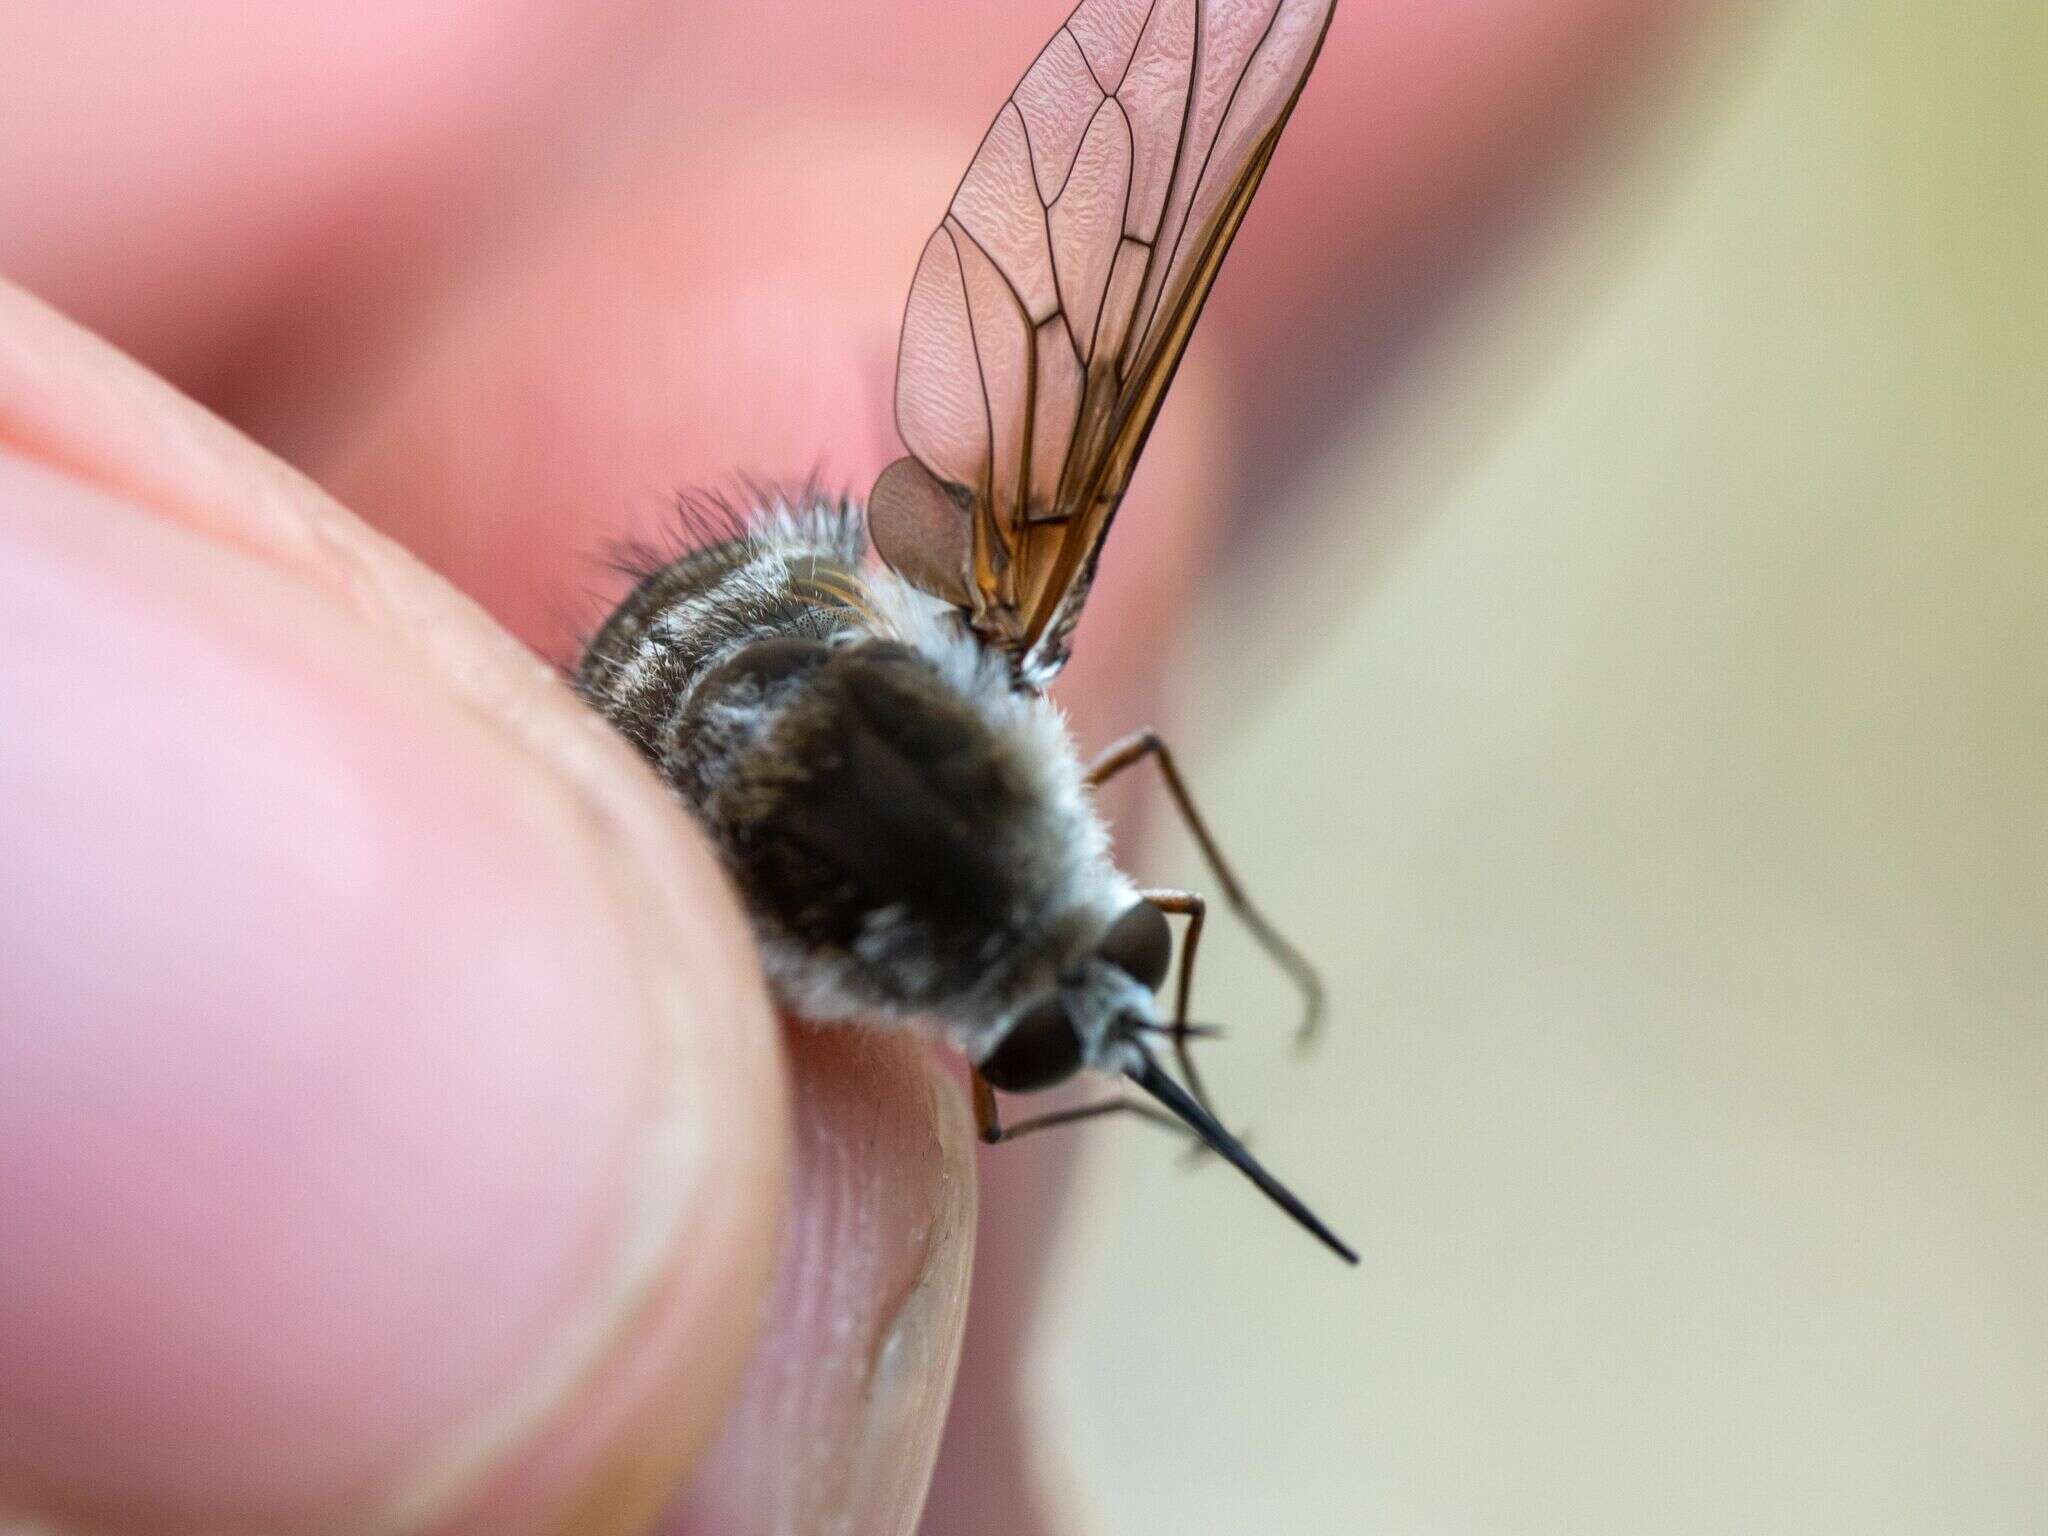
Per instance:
{"type": "Point", "coordinates": [1030, 370]}
{"type": "Point", "coordinates": [1087, 63]}
{"type": "Point", "coordinates": [988, 414]}
{"type": "Point", "coordinates": [1134, 336]}
{"type": "Point", "coordinates": [1123, 215]}
{"type": "Point", "coordinates": [1135, 45]}
{"type": "Point", "coordinates": [1222, 118]}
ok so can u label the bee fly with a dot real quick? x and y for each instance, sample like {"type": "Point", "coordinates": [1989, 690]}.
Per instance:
{"type": "Point", "coordinates": [869, 745]}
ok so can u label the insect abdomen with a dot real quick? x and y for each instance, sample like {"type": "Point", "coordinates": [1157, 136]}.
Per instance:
{"type": "Point", "coordinates": [792, 577]}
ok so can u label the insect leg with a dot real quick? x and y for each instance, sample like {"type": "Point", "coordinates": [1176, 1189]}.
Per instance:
{"type": "Point", "coordinates": [1195, 909]}
{"type": "Point", "coordinates": [1147, 743]}
{"type": "Point", "coordinates": [989, 1123]}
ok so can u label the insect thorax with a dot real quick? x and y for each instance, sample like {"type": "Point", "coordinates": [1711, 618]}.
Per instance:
{"type": "Point", "coordinates": [910, 831]}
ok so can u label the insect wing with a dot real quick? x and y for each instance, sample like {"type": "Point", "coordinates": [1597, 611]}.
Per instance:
{"type": "Point", "coordinates": [1052, 305]}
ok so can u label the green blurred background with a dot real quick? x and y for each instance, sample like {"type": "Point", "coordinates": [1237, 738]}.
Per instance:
{"type": "Point", "coordinates": [1663, 789]}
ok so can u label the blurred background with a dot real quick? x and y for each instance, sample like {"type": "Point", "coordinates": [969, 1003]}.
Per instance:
{"type": "Point", "coordinates": [1628, 675]}
{"type": "Point", "coordinates": [1660, 772]}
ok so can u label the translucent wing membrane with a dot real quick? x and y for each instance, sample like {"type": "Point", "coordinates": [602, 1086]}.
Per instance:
{"type": "Point", "coordinates": [1052, 305]}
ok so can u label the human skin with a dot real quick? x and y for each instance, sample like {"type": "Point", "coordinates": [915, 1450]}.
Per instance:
{"type": "Point", "coordinates": [394, 1131]}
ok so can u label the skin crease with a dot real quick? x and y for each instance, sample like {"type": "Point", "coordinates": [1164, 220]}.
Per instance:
{"type": "Point", "coordinates": [454, 1069]}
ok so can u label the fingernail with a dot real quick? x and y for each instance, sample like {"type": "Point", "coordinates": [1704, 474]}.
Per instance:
{"type": "Point", "coordinates": [840, 1417]}
{"type": "Point", "coordinates": [916, 1348]}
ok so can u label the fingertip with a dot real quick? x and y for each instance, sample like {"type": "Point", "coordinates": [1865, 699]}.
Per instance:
{"type": "Point", "coordinates": [400, 1137]}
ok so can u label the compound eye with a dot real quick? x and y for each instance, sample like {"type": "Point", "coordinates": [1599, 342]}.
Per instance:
{"type": "Point", "coordinates": [1140, 944]}
{"type": "Point", "coordinates": [1042, 1048]}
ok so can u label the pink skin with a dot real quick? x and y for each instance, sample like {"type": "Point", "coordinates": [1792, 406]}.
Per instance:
{"type": "Point", "coordinates": [391, 1122]}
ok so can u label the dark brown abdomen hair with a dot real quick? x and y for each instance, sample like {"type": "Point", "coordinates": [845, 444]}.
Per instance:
{"type": "Point", "coordinates": [875, 821]}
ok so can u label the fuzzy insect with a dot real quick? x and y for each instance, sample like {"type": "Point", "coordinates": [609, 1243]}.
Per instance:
{"type": "Point", "coordinates": [869, 745]}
